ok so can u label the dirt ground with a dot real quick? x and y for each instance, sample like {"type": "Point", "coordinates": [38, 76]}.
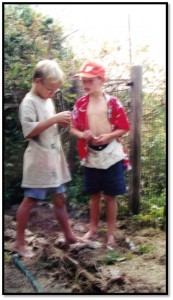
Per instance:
{"type": "Point", "coordinates": [137, 266]}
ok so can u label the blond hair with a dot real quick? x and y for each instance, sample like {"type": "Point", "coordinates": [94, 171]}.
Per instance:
{"type": "Point", "coordinates": [48, 70]}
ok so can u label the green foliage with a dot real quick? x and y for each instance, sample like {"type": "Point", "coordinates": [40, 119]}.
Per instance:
{"type": "Point", "coordinates": [145, 249]}
{"type": "Point", "coordinates": [152, 210]}
{"type": "Point", "coordinates": [75, 191]}
{"type": "Point", "coordinates": [156, 208]}
{"type": "Point", "coordinates": [28, 38]}
{"type": "Point", "coordinates": [13, 155]}
{"type": "Point", "coordinates": [113, 257]}
{"type": "Point", "coordinates": [153, 156]}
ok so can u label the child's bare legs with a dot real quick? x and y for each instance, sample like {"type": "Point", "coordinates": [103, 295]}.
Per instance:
{"type": "Point", "coordinates": [111, 213]}
{"type": "Point", "coordinates": [62, 217]}
{"type": "Point", "coordinates": [22, 218]}
{"type": "Point", "coordinates": [95, 208]}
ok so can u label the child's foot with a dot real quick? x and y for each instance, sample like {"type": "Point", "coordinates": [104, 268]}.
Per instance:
{"type": "Point", "coordinates": [71, 240]}
{"type": "Point", "coordinates": [24, 251]}
{"type": "Point", "coordinates": [90, 235]}
{"type": "Point", "coordinates": [111, 244]}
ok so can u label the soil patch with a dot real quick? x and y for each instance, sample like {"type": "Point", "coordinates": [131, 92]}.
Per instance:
{"type": "Point", "coordinates": [137, 266]}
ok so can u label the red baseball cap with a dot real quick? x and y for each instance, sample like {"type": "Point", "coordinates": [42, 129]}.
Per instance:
{"type": "Point", "coordinates": [91, 69]}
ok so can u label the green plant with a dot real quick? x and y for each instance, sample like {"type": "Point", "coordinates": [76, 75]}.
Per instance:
{"type": "Point", "coordinates": [145, 249]}
{"type": "Point", "coordinates": [153, 209]}
{"type": "Point", "coordinates": [14, 147]}
{"type": "Point", "coordinates": [113, 257]}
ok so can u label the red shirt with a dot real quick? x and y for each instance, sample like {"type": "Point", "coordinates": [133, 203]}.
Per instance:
{"type": "Point", "coordinates": [116, 115]}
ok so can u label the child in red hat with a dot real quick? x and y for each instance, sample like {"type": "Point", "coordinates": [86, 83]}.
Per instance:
{"type": "Point", "coordinates": [98, 122]}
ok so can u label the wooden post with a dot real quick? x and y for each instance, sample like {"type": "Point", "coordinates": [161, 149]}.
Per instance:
{"type": "Point", "coordinates": [135, 138]}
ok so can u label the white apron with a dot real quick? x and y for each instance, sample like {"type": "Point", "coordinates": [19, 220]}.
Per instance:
{"type": "Point", "coordinates": [105, 158]}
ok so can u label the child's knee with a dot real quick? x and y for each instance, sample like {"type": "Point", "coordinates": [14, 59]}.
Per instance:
{"type": "Point", "coordinates": [29, 202]}
{"type": "Point", "coordinates": [59, 200]}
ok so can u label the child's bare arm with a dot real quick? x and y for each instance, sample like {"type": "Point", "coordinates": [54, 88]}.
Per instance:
{"type": "Point", "coordinates": [63, 117]}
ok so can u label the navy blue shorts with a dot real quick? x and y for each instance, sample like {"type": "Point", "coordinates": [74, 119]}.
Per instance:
{"type": "Point", "coordinates": [110, 181]}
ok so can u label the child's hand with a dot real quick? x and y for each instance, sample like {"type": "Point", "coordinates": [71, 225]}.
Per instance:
{"type": "Point", "coordinates": [87, 135]}
{"type": "Point", "coordinates": [63, 117]}
{"type": "Point", "coordinates": [102, 139]}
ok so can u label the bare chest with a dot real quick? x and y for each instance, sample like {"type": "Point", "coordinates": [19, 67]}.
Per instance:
{"type": "Point", "coordinates": [97, 114]}
{"type": "Point", "coordinates": [97, 109]}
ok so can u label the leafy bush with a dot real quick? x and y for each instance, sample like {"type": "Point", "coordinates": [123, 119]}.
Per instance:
{"type": "Point", "coordinates": [13, 158]}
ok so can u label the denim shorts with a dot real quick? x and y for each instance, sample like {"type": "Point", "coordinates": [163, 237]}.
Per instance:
{"type": "Point", "coordinates": [43, 193]}
{"type": "Point", "coordinates": [110, 181]}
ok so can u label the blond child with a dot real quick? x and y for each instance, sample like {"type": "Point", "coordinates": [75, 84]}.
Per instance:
{"type": "Point", "coordinates": [44, 167]}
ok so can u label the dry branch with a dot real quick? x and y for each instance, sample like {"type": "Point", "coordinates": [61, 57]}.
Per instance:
{"type": "Point", "coordinates": [93, 281]}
